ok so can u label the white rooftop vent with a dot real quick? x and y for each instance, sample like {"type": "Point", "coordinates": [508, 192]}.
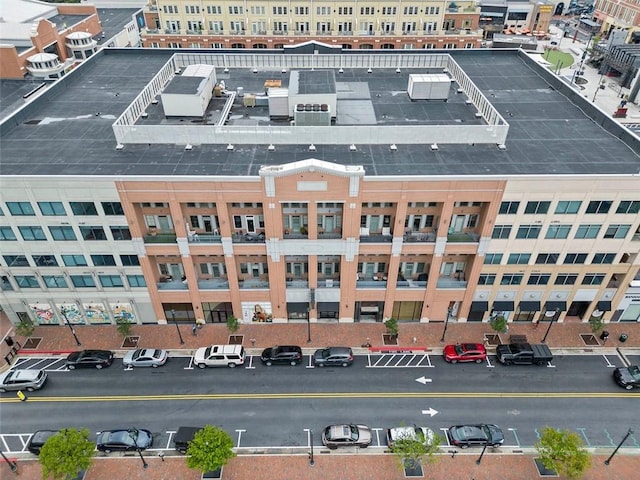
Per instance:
{"type": "Point", "coordinates": [352, 148]}
{"type": "Point", "coordinates": [478, 115]}
{"type": "Point", "coordinates": [502, 146]}
{"type": "Point", "coordinates": [340, 70]}
{"type": "Point", "coordinates": [177, 72]}
{"type": "Point", "coordinates": [154, 101]}
{"type": "Point", "coordinates": [119, 147]}
{"type": "Point", "coordinates": [460, 90]}
{"type": "Point", "coordinates": [271, 148]}
{"type": "Point", "coordinates": [229, 148]}
{"type": "Point", "coordinates": [144, 114]}
{"type": "Point", "coordinates": [468, 102]}
{"type": "Point", "coordinates": [369, 71]}
{"type": "Point", "coordinates": [188, 146]}
{"type": "Point", "coordinates": [312, 148]}
{"type": "Point", "coordinates": [434, 146]}
{"type": "Point", "coordinates": [398, 70]}
{"type": "Point", "coordinates": [226, 70]}
{"type": "Point", "coordinates": [393, 147]}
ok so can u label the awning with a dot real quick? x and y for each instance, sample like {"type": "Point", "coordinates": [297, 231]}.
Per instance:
{"type": "Point", "coordinates": [604, 306]}
{"type": "Point", "coordinates": [479, 306]}
{"type": "Point", "coordinates": [297, 307]}
{"type": "Point", "coordinates": [503, 306]}
{"type": "Point", "coordinates": [328, 306]}
{"type": "Point", "coordinates": [491, 14]}
{"type": "Point", "coordinates": [529, 306]}
{"type": "Point", "coordinates": [551, 306]}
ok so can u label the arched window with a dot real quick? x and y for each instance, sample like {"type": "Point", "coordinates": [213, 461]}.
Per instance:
{"type": "Point", "coordinates": [387, 46]}
{"type": "Point", "coordinates": [258, 45]}
{"type": "Point", "coordinates": [237, 45]}
{"type": "Point", "coordinates": [366, 46]}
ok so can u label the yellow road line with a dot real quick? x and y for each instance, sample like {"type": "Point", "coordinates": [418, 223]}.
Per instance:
{"type": "Point", "coordinates": [323, 395]}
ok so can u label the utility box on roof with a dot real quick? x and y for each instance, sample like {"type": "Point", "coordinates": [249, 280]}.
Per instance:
{"type": "Point", "coordinates": [429, 86]}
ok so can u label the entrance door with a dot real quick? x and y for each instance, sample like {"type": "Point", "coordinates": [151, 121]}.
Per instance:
{"type": "Point", "coordinates": [163, 223]}
{"type": "Point", "coordinates": [458, 223]}
{"type": "Point", "coordinates": [176, 270]}
{"type": "Point", "coordinates": [251, 224]}
{"type": "Point", "coordinates": [296, 223]}
{"type": "Point", "coordinates": [329, 224]}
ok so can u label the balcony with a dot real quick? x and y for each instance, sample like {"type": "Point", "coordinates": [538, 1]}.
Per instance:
{"type": "Point", "coordinates": [279, 32]}
{"type": "Point", "coordinates": [297, 283]}
{"type": "Point", "coordinates": [378, 280]}
{"type": "Point", "coordinates": [419, 282]}
{"type": "Point", "coordinates": [213, 284]}
{"type": "Point", "coordinates": [451, 282]}
{"type": "Point", "coordinates": [238, 32]}
{"type": "Point", "coordinates": [204, 238]}
{"type": "Point", "coordinates": [376, 238]}
{"type": "Point", "coordinates": [329, 235]}
{"type": "Point", "coordinates": [160, 238]}
{"type": "Point", "coordinates": [168, 283]}
{"type": "Point", "coordinates": [253, 283]}
{"type": "Point", "coordinates": [194, 32]}
{"type": "Point", "coordinates": [328, 283]}
{"type": "Point", "coordinates": [462, 237]}
{"type": "Point", "coordinates": [419, 237]}
{"type": "Point", "coordinates": [248, 238]}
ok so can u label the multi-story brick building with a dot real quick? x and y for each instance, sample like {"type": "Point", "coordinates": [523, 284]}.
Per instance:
{"type": "Point", "coordinates": [328, 188]}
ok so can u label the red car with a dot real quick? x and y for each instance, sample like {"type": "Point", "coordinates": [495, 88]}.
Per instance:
{"type": "Point", "coordinates": [465, 352]}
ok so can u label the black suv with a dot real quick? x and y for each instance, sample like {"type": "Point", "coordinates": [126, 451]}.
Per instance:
{"type": "Point", "coordinates": [38, 439]}
{"type": "Point", "coordinates": [627, 377]}
{"type": "Point", "coordinates": [183, 437]}
{"type": "Point", "coordinates": [282, 354]}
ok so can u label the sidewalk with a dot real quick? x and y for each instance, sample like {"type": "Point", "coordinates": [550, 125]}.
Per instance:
{"type": "Point", "coordinates": [366, 464]}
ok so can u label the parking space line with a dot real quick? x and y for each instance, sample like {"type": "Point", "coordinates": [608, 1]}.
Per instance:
{"type": "Point", "coordinates": [171, 433]}
{"type": "Point", "coordinates": [489, 364]}
{"type": "Point", "coordinates": [609, 364]}
{"type": "Point", "coordinates": [310, 362]}
{"type": "Point", "coordinates": [428, 359]}
{"type": "Point", "coordinates": [584, 435]}
{"type": "Point", "coordinates": [377, 430]}
{"type": "Point", "coordinates": [446, 437]}
{"type": "Point", "coordinates": [250, 365]}
{"type": "Point", "coordinates": [400, 360]}
{"type": "Point", "coordinates": [515, 434]}
{"type": "Point", "coordinates": [239, 437]}
{"type": "Point", "coordinates": [190, 366]}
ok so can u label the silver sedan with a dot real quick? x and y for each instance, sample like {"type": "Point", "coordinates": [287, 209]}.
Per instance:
{"type": "Point", "coordinates": [145, 357]}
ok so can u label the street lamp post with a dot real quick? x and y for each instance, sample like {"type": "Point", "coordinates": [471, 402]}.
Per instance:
{"type": "Point", "coordinates": [173, 317]}
{"type": "Point", "coordinates": [484, 448]}
{"type": "Point", "coordinates": [308, 327]}
{"type": "Point", "coordinates": [68, 324]}
{"type": "Point", "coordinates": [311, 460]}
{"type": "Point", "coordinates": [446, 323]}
{"type": "Point", "coordinates": [608, 460]}
{"type": "Point", "coordinates": [12, 465]}
{"type": "Point", "coordinates": [553, 319]}
{"type": "Point", "coordinates": [133, 434]}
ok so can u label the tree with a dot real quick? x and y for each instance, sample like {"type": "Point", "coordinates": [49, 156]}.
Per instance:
{"type": "Point", "coordinates": [232, 324]}
{"type": "Point", "coordinates": [124, 327]}
{"type": "Point", "coordinates": [411, 450]}
{"type": "Point", "coordinates": [25, 327]}
{"type": "Point", "coordinates": [563, 451]}
{"type": "Point", "coordinates": [596, 324]}
{"type": "Point", "coordinates": [499, 324]}
{"type": "Point", "coordinates": [210, 449]}
{"type": "Point", "coordinates": [392, 327]}
{"type": "Point", "coordinates": [66, 454]}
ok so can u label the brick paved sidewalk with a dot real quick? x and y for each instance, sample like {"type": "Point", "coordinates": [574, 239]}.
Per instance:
{"type": "Point", "coordinates": [338, 467]}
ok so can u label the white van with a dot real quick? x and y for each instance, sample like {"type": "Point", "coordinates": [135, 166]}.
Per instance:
{"type": "Point", "coordinates": [219, 356]}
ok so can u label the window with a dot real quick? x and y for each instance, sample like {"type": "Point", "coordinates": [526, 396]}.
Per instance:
{"type": "Point", "coordinates": [528, 231]}
{"type": "Point", "coordinates": [410, 10]}
{"type": "Point", "coordinates": [136, 281]}
{"type": "Point", "coordinates": [575, 258]}
{"type": "Point", "coordinates": [599, 206]}
{"type": "Point", "coordinates": [74, 260]}
{"type": "Point", "coordinates": [486, 279]}
{"type": "Point", "coordinates": [215, 9]}
{"type": "Point", "coordinates": [587, 231]}
{"type": "Point", "coordinates": [121, 233]}
{"type": "Point", "coordinates": [558, 231]}
{"type": "Point", "coordinates": [603, 258]}
{"type": "Point", "coordinates": [112, 208]}
{"type": "Point", "coordinates": [16, 260]}
{"type": "Point", "coordinates": [129, 260]}
{"type": "Point", "coordinates": [501, 231]}
{"type": "Point", "coordinates": [82, 281]}
{"type": "Point", "coordinates": [593, 279]}
{"type": "Point", "coordinates": [236, 10]}
{"type": "Point", "coordinates": [279, 10]}
{"type": "Point", "coordinates": [62, 233]}
{"type": "Point", "coordinates": [83, 208]}
{"type": "Point", "coordinates": [111, 281]}
{"type": "Point", "coordinates": [509, 208]}
{"type": "Point", "coordinates": [566, 279]}
{"type": "Point", "coordinates": [32, 233]}
{"type": "Point", "coordinates": [518, 258]}
{"type": "Point", "coordinates": [366, 10]}
{"type": "Point", "coordinates": [388, 10]}
{"type": "Point", "coordinates": [345, 10]}
{"type": "Point", "coordinates": [538, 279]}
{"type": "Point", "coordinates": [103, 260]}
{"type": "Point", "coordinates": [93, 233]}
{"type": "Point", "coordinates": [537, 207]}
{"type": "Point", "coordinates": [547, 258]}
{"type": "Point", "coordinates": [52, 208]}
{"type": "Point", "coordinates": [27, 281]}
{"type": "Point", "coordinates": [301, 10]}
{"type": "Point", "coordinates": [7, 234]}
{"type": "Point", "coordinates": [492, 259]}
{"type": "Point", "coordinates": [45, 260]}
{"type": "Point", "coordinates": [568, 206]}
{"type": "Point", "coordinates": [617, 231]}
{"type": "Point", "coordinates": [54, 281]}
{"type": "Point", "coordinates": [511, 279]}
{"type": "Point", "coordinates": [628, 206]}
{"type": "Point", "coordinates": [20, 208]}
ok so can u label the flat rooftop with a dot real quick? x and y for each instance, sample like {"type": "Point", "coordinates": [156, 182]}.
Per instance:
{"type": "Point", "coordinates": [552, 129]}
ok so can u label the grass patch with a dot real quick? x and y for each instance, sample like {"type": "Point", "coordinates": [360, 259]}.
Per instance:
{"type": "Point", "coordinates": [557, 59]}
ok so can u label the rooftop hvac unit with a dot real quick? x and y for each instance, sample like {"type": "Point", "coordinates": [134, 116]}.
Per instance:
{"type": "Point", "coordinates": [315, 116]}
{"type": "Point", "coordinates": [429, 86]}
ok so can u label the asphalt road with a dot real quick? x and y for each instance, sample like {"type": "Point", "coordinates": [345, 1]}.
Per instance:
{"type": "Point", "coordinates": [271, 407]}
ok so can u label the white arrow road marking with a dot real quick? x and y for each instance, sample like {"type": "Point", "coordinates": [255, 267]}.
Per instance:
{"type": "Point", "coordinates": [431, 412]}
{"type": "Point", "coordinates": [423, 380]}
